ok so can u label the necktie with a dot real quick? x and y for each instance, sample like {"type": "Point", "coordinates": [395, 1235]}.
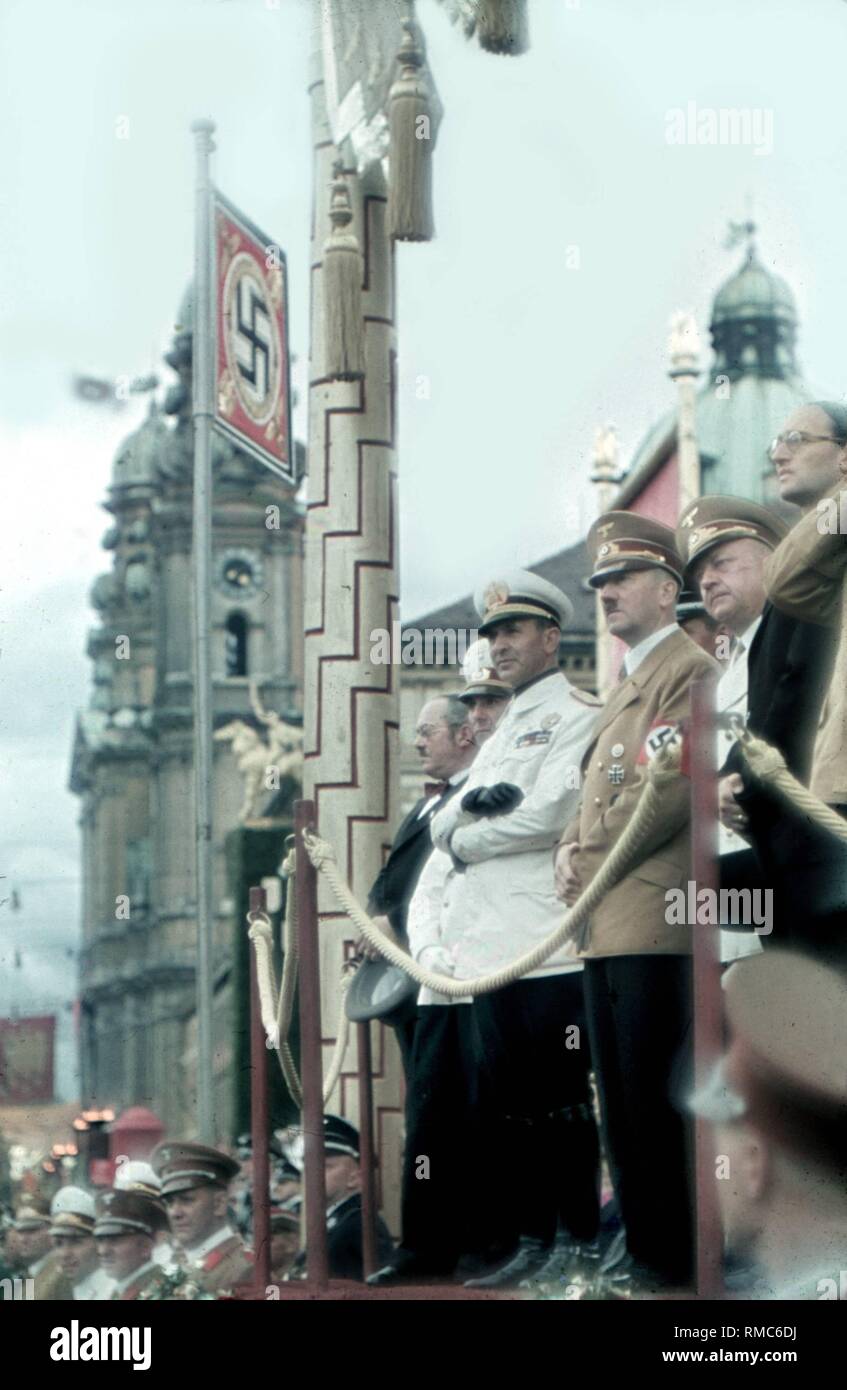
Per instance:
{"type": "Point", "coordinates": [435, 788]}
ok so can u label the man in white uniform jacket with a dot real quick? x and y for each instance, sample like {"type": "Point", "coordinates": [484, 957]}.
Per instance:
{"type": "Point", "coordinates": [530, 1042]}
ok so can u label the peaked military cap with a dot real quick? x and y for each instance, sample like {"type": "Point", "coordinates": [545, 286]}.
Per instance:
{"type": "Point", "coordinates": [136, 1176]}
{"type": "Point", "coordinates": [122, 1213]}
{"type": "Point", "coordinates": [521, 594]}
{"type": "Point", "coordinates": [788, 1018]}
{"type": "Point", "coordinates": [72, 1210]}
{"type": "Point", "coordinates": [32, 1214]}
{"type": "Point", "coordinates": [283, 1168]}
{"type": "Point", "coordinates": [480, 676]}
{"type": "Point", "coordinates": [486, 682]}
{"type": "Point", "coordinates": [340, 1137]}
{"type": "Point", "coordinates": [619, 542]}
{"type": "Point", "coordinates": [180, 1165]}
{"type": "Point", "coordinates": [689, 605]}
{"type": "Point", "coordinates": [283, 1218]}
{"type": "Point", "coordinates": [712, 520]}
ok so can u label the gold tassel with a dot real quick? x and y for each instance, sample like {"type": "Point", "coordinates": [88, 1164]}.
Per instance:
{"type": "Point", "coordinates": [503, 26]}
{"type": "Point", "coordinates": [410, 149]}
{"type": "Point", "coordinates": [344, 341]}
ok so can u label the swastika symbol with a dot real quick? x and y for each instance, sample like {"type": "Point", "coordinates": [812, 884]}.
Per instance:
{"type": "Point", "coordinates": [252, 337]}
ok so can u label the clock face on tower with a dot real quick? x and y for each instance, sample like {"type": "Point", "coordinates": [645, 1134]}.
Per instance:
{"type": "Point", "coordinates": [238, 573]}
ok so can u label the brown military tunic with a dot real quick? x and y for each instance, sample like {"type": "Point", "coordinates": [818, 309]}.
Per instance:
{"type": "Point", "coordinates": [50, 1285]}
{"type": "Point", "coordinates": [228, 1264]}
{"type": "Point", "coordinates": [631, 919]}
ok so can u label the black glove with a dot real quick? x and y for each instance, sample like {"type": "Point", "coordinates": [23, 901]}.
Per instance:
{"type": "Point", "coordinates": [492, 801]}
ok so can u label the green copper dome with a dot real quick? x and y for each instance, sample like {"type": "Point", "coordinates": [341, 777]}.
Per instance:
{"type": "Point", "coordinates": [745, 395]}
{"type": "Point", "coordinates": [753, 292]}
{"type": "Point", "coordinates": [754, 324]}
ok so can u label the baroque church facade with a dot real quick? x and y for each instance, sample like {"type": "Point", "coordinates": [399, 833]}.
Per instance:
{"type": "Point", "coordinates": [132, 763]}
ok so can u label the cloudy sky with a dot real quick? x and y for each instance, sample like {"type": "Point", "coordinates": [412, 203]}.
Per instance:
{"type": "Point", "coordinates": [527, 345]}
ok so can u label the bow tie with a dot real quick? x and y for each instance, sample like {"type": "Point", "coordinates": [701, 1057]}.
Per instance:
{"type": "Point", "coordinates": [435, 788]}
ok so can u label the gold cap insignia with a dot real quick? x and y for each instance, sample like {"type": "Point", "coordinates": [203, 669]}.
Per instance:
{"type": "Point", "coordinates": [689, 520]}
{"type": "Point", "coordinates": [495, 595]}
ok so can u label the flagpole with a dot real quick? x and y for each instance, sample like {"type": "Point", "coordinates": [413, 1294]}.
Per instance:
{"type": "Point", "coordinates": [202, 413]}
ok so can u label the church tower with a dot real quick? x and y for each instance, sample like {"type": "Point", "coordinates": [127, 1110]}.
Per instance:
{"type": "Point", "coordinates": [133, 753]}
{"type": "Point", "coordinates": [754, 381]}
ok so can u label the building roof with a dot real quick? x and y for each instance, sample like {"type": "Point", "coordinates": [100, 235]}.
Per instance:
{"type": "Point", "coordinates": [752, 384]}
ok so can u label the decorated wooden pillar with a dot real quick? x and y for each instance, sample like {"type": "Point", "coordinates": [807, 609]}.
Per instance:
{"type": "Point", "coordinates": [351, 704]}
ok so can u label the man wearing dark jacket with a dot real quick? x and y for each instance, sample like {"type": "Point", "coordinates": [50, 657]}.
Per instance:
{"type": "Point", "coordinates": [774, 681]}
{"type": "Point", "coordinates": [445, 744]}
{"type": "Point", "coordinates": [343, 1179]}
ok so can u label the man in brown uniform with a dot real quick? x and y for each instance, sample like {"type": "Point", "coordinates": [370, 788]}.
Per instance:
{"type": "Point", "coordinates": [125, 1232]}
{"type": "Point", "coordinates": [637, 964]}
{"type": "Point", "coordinates": [195, 1181]}
{"type": "Point", "coordinates": [38, 1259]}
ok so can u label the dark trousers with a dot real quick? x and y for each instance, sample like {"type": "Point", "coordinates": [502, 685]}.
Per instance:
{"type": "Point", "coordinates": [532, 1050]}
{"type": "Point", "coordinates": [639, 1021]}
{"type": "Point", "coordinates": [404, 1023]}
{"type": "Point", "coordinates": [806, 867]}
{"type": "Point", "coordinates": [447, 1164]}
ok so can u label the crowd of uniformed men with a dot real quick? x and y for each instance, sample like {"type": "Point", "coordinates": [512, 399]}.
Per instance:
{"type": "Point", "coordinates": [180, 1226]}
{"type": "Point", "coordinates": [517, 1097]}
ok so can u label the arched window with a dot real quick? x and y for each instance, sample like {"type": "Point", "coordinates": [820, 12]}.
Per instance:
{"type": "Point", "coordinates": [236, 645]}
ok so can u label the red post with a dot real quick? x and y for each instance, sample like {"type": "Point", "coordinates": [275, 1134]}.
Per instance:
{"type": "Point", "coordinates": [366, 1146]}
{"type": "Point", "coordinates": [707, 980]}
{"type": "Point", "coordinates": [259, 1119]}
{"type": "Point", "coordinates": [311, 1058]}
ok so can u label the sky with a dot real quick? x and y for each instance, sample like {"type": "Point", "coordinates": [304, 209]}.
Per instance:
{"type": "Point", "coordinates": [568, 230]}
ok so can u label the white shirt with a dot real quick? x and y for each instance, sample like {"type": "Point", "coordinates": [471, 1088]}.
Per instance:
{"type": "Point", "coordinates": [454, 781]}
{"type": "Point", "coordinates": [731, 698]}
{"type": "Point", "coordinates": [196, 1254]}
{"type": "Point", "coordinates": [634, 657]}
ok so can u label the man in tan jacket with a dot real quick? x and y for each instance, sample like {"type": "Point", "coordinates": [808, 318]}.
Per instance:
{"type": "Point", "coordinates": [806, 578]}
{"type": "Point", "coordinates": [637, 962]}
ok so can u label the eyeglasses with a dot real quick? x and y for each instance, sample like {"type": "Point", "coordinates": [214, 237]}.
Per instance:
{"type": "Point", "coordinates": [794, 438]}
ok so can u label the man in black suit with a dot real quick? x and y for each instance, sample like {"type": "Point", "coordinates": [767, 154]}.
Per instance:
{"type": "Point", "coordinates": [774, 682]}
{"type": "Point", "coordinates": [444, 742]}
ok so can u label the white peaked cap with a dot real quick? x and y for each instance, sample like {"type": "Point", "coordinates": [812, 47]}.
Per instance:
{"type": "Point", "coordinates": [134, 1174]}
{"type": "Point", "coordinates": [477, 658]}
{"type": "Point", "coordinates": [73, 1201]}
